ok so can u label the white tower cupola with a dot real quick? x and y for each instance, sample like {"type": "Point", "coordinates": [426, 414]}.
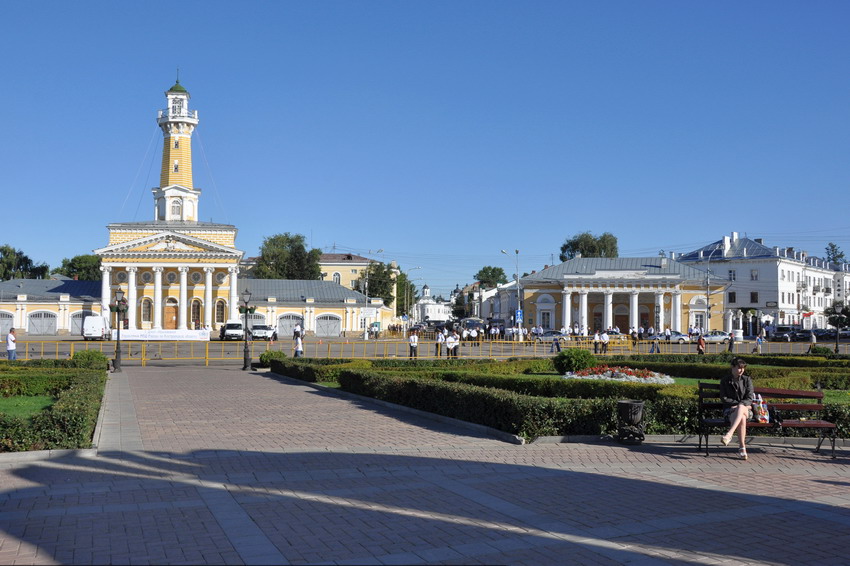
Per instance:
{"type": "Point", "coordinates": [176, 199]}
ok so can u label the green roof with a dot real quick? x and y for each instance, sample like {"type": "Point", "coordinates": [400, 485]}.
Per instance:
{"type": "Point", "coordinates": [177, 87]}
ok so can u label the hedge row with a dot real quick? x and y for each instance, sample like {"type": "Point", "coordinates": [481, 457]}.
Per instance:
{"type": "Point", "coordinates": [785, 360]}
{"type": "Point", "coordinates": [524, 415]}
{"type": "Point", "coordinates": [69, 423]}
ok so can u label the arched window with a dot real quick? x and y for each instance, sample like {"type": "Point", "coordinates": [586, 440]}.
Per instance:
{"type": "Point", "coordinates": [196, 314]}
{"type": "Point", "coordinates": [176, 208]}
{"type": "Point", "coordinates": [337, 278]}
{"type": "Point", "coordinates": [176, 144]}
{"type": "Point", "coordinates": [147, 310]}
{"type": "Point", "coordinates": [220, 308]}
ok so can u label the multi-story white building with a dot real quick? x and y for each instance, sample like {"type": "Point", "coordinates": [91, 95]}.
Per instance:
{"type": "Point", "coordinates": [427, 308]}
{"type": "Point", "coordinates": [770, 284]}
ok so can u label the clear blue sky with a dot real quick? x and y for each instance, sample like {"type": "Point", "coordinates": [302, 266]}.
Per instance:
{"type": "Point", "coordinates": [440, 132]}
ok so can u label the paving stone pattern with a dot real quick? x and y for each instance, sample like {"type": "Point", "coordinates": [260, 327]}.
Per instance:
{"type": "Point", "coordinates": [221, 466]}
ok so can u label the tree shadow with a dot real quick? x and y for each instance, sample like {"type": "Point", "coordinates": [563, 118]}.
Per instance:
{"type": "Point", "coordinates": [219, 506]}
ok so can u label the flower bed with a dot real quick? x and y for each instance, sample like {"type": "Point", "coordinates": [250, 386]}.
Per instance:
{"type": "Point", "coordinates": [618, 373]}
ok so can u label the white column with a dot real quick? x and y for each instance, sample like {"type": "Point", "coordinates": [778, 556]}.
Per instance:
{"type": "Point", "coordinates": [566, 308]}
{"type": "Point", "coordinates": [105, 289]}
{"type": "Point", "coordinates": [183, 308]}
{"type": "Point", "coordinates": [582, 310]}
{"type": "Point", "coordinates": [208, 293]}
{"type": "Point", "coordinates": [608, 309]}
{"type": "Point", "coordinates": [659, 307]}
{"type": "Point", "coordinates": [132, 307]}
{"type": "Point", "coordinates": [634, 310]}
{"type": "Point", "coordinates": [677, 311]}
{"type": "Point", "coordinates": [157, 298]}
{"type": "Point", "coordinates": [234, 293]}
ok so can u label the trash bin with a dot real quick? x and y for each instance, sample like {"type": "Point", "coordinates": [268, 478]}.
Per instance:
{"type": "Point", "coordinates": [630, 421]}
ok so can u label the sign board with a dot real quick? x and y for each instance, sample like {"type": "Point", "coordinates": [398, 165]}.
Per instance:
{"type": "Point", "coordinates": [770, 304]}
{"type": "Point", "coordinates": [163, 335]}
{"type": "Point", "coordinates": [519, 316]}
{"type": "Point", "coordinates": [404, 317]}
{"type": "Point", "coordinates": [368, 312]}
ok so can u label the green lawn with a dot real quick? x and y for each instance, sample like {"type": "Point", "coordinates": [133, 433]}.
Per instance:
{"type": "Point", "coordinates": [25, 406]}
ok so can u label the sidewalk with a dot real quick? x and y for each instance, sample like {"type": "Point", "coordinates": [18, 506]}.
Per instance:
{"type": "Point", "coordinates": [220, 466]}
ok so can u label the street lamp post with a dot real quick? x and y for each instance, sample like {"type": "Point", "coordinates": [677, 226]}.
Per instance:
{"type": "Point", "coordinates": [518, 294]}
{"type": "Point", "coordinates": [246, 298]}
{"type": "Point", "coordinates": [365, 319]}
{"type": "Point", "coordinates": [708, 292]}
{"type": "Point", "coordinates": [120, 309]}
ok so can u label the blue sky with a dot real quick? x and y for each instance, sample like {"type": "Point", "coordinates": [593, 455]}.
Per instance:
{"type": "Point", "coordinates": [440, 132]}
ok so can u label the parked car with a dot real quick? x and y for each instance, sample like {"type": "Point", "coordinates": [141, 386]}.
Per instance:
{"type": "Point", "coordinates": [96, 328]}
{"type": "Point", "coordinates": [675, 336]}
{"type": "Point", "coordinates": [802, 336]}
{"type": "Point", "coordinates": [549, 335]}
{"type": "Point", "coordinates": [263, 332]}
{"type": "Point", "coordinates": [717, 336]}
{"type": "Point", "coordinates": [232, 330]}
{"type": "Point", "coordinates": [783, 333]}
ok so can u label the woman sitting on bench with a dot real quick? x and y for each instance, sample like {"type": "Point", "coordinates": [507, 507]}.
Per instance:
{"type": "Point", "coordinates": [736, 392]}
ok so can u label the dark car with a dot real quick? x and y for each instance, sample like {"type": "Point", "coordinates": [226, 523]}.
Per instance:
{"type": "Point", "coordinates": [802, 336]}
{"type": "Point", "coordinates": [783, 334]}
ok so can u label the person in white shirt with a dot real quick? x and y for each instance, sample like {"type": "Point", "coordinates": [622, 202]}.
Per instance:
{"type": "Point", "coordinates": [11, 345]}
{"type": "Point", "coordinates": [451, 345]}
{"type": "Point", "coordinates": [438, 348]}
{"type": "Point", "coordinates": [413, 339]}
{"type": "Point", "coordinates": [604, 339]}
{"type": "Point", "coordinates": [299, 347]}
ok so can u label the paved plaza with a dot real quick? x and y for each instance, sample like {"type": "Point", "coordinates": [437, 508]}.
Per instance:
{"type": "Point", "coordinates": [221, 466]}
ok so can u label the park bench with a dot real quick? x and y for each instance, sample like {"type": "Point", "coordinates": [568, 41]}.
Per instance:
{"type": "Point", "coordinates": [788, 408]}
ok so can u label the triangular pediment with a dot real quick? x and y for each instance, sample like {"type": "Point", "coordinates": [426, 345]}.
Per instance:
{"type": "Point", "coordinates": [169, 244]}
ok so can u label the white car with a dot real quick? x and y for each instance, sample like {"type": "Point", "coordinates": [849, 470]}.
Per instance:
{"type": "Point", "coordinates": [675, 336]}
{"type": "Point", "coordinates": [717, 336]}
{"type": "Point", "coordinates": [263, 332]}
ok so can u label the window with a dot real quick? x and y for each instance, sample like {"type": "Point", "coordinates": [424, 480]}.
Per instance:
{"type": "Point", "coordinates": [176, 208]}
{"type": "Point", "coordinates": [176, 144]}
{"type": "Point", "coordinates": [754, 275]}
{"type": "Point", "coordinates": [337, 278]}
{"type": "Point", "coordinates": [176, 167]}
{"type": "Point", "coordinates": [147, 310]}
{"type": "Point", "coordinates": [732, 297]}
{"type": "Point", "coordinates": [754, 297]}
{"type": "Point", "coordinates": [219, 311]}
{"type": "Point", "coordinates": [196, 314]}
{"type": "Point", "coordinates": [783, 275]}
{"type": "Point", "coordinates": [732, 275]}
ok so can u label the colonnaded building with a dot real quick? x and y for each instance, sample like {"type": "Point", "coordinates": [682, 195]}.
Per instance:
{"type": "Point", "coordinates": [600, 293]}
{"type": "Point", "coordinates": [179, 274]}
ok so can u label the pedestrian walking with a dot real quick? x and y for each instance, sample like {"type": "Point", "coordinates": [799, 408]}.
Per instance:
{"type": "Point", "coordinates": [299, 347]}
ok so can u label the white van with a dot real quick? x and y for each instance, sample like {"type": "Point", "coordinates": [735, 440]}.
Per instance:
{"type": "Point", "coordinates": [233, 330]}
{"type": "Point", "coordinates": [96, 327]}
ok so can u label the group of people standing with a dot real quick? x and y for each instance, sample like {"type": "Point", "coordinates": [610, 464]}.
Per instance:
{"type": "Point", "coordinates": [450, 341]}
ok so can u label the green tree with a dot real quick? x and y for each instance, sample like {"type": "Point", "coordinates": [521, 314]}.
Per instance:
{"type": "Point", "coordinates": [15, 264]}
{"type": "Point", "coordinates": [588, 245]}
{"type": "Point", "coordinates": [490, 276]}
{"type": "Point", "coordinates": [407, 294]}
{"type": "Point", "coordinates": [381, 282]}
{"type": "Point", "coordinates": [285, 256]}
{"type": "Point", "coordinates": [838, 315]}
{"type": "Point", "coordinates": [84, 267]}
{"type": "Point", "coordinates": [834, 253]}
{"type": "Point", "coordinates": [459, 309]}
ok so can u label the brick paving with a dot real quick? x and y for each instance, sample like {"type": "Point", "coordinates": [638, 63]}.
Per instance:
{"type": "Point", "coordinates": [220, 466]}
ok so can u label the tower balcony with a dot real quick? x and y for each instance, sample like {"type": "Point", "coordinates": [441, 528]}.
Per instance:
{"type": "Point", "coordinates": [190, 116]}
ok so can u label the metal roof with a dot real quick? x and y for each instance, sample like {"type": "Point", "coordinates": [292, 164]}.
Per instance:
{"type": "Point", "coordinates": [602, 266]}
{"type": "Point", "coordinates": [48, 290]}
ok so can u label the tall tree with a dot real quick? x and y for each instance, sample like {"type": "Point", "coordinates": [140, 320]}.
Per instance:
{"type": "Point", "coordinates": [490, 276]}
{"type": "Point", "coordinates": [834, 253]}
{"type": "Point", "coordinates": [85, 267]}
{"type": "Point", "coordinates": [381, 279]}
{"type": "Point", "coordinates": [588, 245]}
{"type": "Point", "coordinates": [407, 294]}
{"type": "Point", "coordinates": [15, 264]}
{"type": "Point", "coordinates": [285, 256]}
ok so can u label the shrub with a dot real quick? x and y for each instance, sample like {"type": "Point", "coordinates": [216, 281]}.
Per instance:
{"type": "Point", "coordinates": [269, 355]}
{"type": "Point", "coordinates": [573, 360]}
{"type": "Point", "coordinates": [91, 359]}
{"type": "Point", "coordinates": [821, 351]}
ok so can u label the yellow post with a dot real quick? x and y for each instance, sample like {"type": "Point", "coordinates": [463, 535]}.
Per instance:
{"type": "Point", "coordinates": [207, 354]}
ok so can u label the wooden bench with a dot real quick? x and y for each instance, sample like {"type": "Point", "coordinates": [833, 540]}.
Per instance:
{"type": "Point", "coordinates": [802, 407]}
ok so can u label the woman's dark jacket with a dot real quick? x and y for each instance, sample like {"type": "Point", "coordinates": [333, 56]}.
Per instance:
{"type": "Point", "coordinates": [736, 391]}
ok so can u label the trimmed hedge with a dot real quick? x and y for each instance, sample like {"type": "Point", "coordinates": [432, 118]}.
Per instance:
{"type": "Point", "coordinates": [68, 423]}
{"type": "Point", "coordinates": [524, 415]}
{"type": "Point", "coordinates": [308, 370]}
